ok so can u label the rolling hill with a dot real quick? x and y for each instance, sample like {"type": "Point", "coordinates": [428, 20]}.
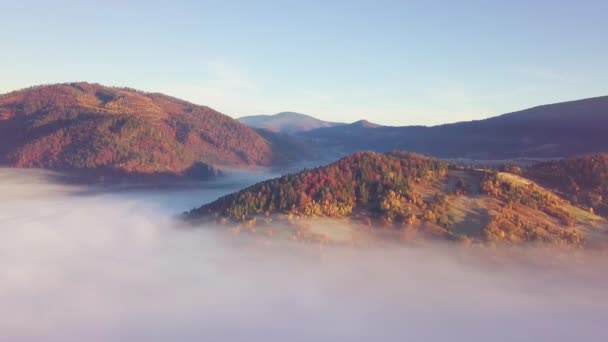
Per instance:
{"type": "Point", "coordinates": [549, 131]}
{"type": "Point", "coordinates": [286, 122]}
{"type": "Point", "coordinates": [413, 195]}
{"type": "Point", "coordinates": [583, 180]}
{"type": "Point", "coordinates": [99, 129]}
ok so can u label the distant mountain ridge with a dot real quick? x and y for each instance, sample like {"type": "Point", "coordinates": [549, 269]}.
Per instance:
{"type": "Point", "coordinates": [83, 126]}
{"type": "Point", "coordinates": [90, 127]}
{"type": "Point", "coordinates": [286, 122]}
{"type": "Point", "coordinates": [548, 131]}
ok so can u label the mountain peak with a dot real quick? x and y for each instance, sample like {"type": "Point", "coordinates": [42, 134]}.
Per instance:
{"type": "Point", "coordinates": [286, 122]}
{"type": "Point", "coordinates": [121, 130]}
{"type": "Point", "coordinates": [365, 124]}
{"type": "Point", "coordinates": [291, 115]}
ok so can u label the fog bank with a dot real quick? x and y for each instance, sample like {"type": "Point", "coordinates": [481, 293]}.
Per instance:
{"type": "Point", "coordinates": [82, 265]}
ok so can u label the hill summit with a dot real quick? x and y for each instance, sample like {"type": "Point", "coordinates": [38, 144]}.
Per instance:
{"type": "Point", "coordinates": [412, 194]}
{"type": "Point", "coordinates": [82, 126]}
{"type": "Point", "coordinates": [286, 122]}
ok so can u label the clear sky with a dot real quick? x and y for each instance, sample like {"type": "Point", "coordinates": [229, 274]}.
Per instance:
{"type": "Point", "coordinates": [391, 62]}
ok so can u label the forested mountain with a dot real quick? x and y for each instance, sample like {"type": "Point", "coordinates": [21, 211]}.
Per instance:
{"type": "Point", "coordinates": [82, 126]}
{"type": "Point", "coordinates": [556, 130]}
{"type": "Point", "coordinates": [583, 180]}
{"type": "Point", "coordinates": [412, 192]}
{"type": "Point", "coordinates": [286, 122]}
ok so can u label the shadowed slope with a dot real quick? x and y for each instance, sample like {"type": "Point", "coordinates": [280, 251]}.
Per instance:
{"type": "Point", "coordinates": [555, 130]}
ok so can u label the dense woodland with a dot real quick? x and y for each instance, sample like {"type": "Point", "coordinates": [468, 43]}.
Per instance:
{"type": "Point", "coordinates": [380, 183]}
{"type": "Point", "coordinates": [88, 126]}
{"type": "Point", "coordinates": [401, 190]}
{"type": "Point", "coordinates": [583, 180]}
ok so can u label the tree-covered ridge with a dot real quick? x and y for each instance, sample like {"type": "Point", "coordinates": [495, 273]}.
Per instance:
{"type": "Point", "coordinates": [364, 180]}
{"type": "Point", "coordinates": [583, 180]}
{"type": "Point", "coordinates": [89, 126]}
{"type": "Point", "coordinates": [412, 193]}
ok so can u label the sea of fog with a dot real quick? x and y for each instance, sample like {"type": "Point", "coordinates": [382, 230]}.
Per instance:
{"type": "Point", "coordinates": [90, 263]}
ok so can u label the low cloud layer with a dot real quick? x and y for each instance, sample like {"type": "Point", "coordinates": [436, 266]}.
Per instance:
{"type": "Point", "coordinates": [77, 265]}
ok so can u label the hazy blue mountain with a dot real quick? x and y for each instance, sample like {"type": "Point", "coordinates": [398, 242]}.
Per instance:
{"type": "Point", "coordinates": [286, 122]}
{"type": "Point", "coordinates": [554, 130]}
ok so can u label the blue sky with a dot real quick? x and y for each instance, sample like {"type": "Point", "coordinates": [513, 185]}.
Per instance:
{"type": "Point", "coordinates": [391, 62]}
